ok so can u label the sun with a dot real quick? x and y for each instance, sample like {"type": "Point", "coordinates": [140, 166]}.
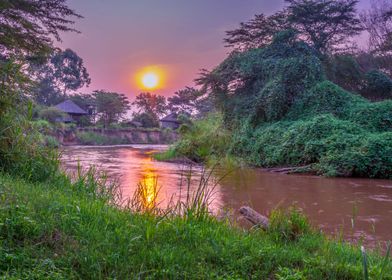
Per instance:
{"type": "Point", "coordinates": [150, 80]}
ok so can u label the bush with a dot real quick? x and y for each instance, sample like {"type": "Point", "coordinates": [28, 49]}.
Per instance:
{"type": "Point", "coordinates": [203, 139]}
{"type": "Point", "coordinates": [51, 114]}
{"type": "Point", "coordinates": [374, 116]}
{"type": "Point", "coordinates": [378, 85]}
{"type": "Point", "coordinates": [325, 98]}
{"type": "Point", "coordinates": [22, 152]}
{"type": "Point", "coordinates": [91, 138]}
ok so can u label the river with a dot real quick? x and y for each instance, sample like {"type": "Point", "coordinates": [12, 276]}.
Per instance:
{"type": "Point", "coordinates": [357, 209]}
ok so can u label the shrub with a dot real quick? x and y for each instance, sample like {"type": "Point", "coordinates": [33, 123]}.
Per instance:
{"type": "Point", "coordinates": [204, 139]}
{"type": "Point", "coordinates": [374, 116]}
{"type": "Point", "coordinates": [91, 138]}
{"type": "Point", "coordinates": [378, 85]}
{"type": "Point", "coordinates": [325, 98]}
{"type": "Point", "coordinates": [51, 114]}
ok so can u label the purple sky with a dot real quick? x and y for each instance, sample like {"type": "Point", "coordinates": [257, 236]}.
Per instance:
{"type": "Point", "coordinates": [121, 37]}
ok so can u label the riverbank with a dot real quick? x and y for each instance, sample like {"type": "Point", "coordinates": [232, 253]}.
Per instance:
{"type": "Point", "coordinates": [63, 230]}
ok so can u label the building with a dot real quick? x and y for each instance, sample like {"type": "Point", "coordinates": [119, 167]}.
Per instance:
{"type": "Point", "coordinates": [170, 121]}
{"type": "Point", "coordinates": [73, 111]}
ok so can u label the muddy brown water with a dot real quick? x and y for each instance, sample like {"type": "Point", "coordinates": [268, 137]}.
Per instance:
{"type": "Point", "coordinates": [357, 209]}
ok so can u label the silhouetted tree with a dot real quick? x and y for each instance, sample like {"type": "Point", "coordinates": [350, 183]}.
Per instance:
{"type": "Point", "coordinates": [29, 26]}
{"type": "Point", "coordinates": [152, 104]}
{"type": "Point", "coordinates": [378, 23]}
{"type": "Point", "coordinates": [63, 72]}
{"type": "Point", "coordinates": [185, 101]}
{"type": "Point", "coordinates": [325, 24]}
{"type": "Point", "coordinates": [111, 106]}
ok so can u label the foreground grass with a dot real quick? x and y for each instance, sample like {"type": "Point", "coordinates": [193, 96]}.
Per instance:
{"type": "Point", "coordinates": [56, 230]}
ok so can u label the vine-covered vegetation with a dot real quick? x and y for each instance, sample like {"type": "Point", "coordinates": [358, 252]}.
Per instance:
{"type": "Point", "coordinates": [279, 109]}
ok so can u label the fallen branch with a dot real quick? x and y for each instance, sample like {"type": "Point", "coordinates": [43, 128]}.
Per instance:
{"type": "Point", "coordinates": [254, 217]}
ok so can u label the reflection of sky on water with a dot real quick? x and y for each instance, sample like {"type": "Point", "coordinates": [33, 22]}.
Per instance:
{"type": "Point", "coordinates": [330, 203]}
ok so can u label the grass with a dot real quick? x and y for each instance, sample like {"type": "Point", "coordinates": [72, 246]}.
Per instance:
{"type": "Point", "coordinates": [64, 230]}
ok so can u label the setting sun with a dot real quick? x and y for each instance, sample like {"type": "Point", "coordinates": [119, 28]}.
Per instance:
{"type": "Point", "coordinates": [151, 77]}
{"type": "Point", "coordinates": [150, 80]}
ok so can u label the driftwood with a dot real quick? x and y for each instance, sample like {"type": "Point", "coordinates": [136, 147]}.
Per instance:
{"type": "Point", "coordinates": [254, 217]}
{"type": "Point", "coordinates": [288, 170]}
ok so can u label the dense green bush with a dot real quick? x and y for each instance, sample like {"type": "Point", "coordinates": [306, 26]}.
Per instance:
{"type": "Point", "coordinates": [91, 138]}
{"type": "Point", "coordinates": [51, 114]}
{"type": "Point", "coordinates": [377, 85]}
{"type": "Point", "coordinates": [22, 152]}
{"type": "Point", "coordinates": [374, 116]}
{"type": "Point", "coordinates": [202, 140]}
{"type": "Point", "coordinates": [325, 98]}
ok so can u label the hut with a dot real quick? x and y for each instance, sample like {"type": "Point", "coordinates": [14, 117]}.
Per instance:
{"type": "Point", "coordinates": [73, 111]}
{"type": "Point", "coordinates": [170, 121]}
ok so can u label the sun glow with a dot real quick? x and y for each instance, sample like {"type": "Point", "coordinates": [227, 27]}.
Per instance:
{"type": "Point", "coordinates": [151, 78]}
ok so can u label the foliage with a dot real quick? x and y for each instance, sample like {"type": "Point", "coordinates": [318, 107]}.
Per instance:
{"type": "Point", "coordinates": [378, 23]}
{"type": "Point", "coordinates": [64, 230]}
{"type": "Point", "coordinates": [262, 84]}
{"type": "Point", "coordinates": [375, 117]}
{"type": "Point", "coordinates": [91, 138]}
{"type": "Point", "coordinates": [325, 98]}
{"type": "Point", "coordinates": [345, 71]}
{"type": "Point", "coordinates": [111, 106]}
{"type": "Point", "coordinates": [152, 104]}
{"type": "Point", "coordinates": [146, 119]}
{"type": "Point", "coordinates": [51, 114]}
{"type": "Point", "coordinates": [28, 27]}
{"type": "Point", "coordinates": [377, 85]}
{"type": "Point", "coordinates": [185, 101]}
{"type": "Point", "coordinates": [63, 72]}
{"type": "Point", "coordinates": [203, 139]}
{"type": "Point", "coordinates": [21, 151]}
{"type": "Point", "coordinates": [325, 25]}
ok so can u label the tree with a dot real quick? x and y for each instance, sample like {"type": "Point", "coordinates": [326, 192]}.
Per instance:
{"type": "Point", "coordinates": [111, 106]}
{"type": "Point", "coordinates": [324, 24]}
{"type": "Point", "coordinates": [28, 26]}
{"type": "Point", "coordinates": [185, 101]}
{"type": "Point", "coordinates": [68, 71]}
{"type": "Point", "coordinates": [152, 104]}
{"type": "Point", "coordinates": [378, 23]}
{"type": "Point", "coordinates": [256, 33]}
{"type": "Point", "coordinates": [63, 72]}
{"type": "Point", "coordinates": [146, 119]}
{"type": "Point", "coordinates": [378, 86]}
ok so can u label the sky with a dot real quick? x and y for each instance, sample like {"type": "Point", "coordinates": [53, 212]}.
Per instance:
{"type": "Point", "coordinates": [120, 39]}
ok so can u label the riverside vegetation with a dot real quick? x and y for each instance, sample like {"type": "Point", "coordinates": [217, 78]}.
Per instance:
{"type": "Point", "coordinates": [276, 108]}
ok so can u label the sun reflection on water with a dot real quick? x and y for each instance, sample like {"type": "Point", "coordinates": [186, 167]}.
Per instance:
{"type": "Point", "coordinates": [148, 188]}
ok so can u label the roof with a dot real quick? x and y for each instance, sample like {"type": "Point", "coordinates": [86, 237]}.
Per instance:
{"type": "Point", "coordinates": [68, 106]}
{"type": "Point", "coordinates": [173, 117]}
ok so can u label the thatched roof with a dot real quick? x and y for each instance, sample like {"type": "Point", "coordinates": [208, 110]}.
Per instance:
{"type": "Point", "coordinates": [70, 107]}
{"type": "Point", "coordinates": [173, 117]}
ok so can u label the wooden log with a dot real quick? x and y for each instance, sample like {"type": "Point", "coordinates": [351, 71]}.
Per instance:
{"type": "Point", "coordinates": [254, 217]}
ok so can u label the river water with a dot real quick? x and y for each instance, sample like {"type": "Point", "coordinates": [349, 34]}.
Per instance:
{"type": "Point", "coordinates": [357, 209]}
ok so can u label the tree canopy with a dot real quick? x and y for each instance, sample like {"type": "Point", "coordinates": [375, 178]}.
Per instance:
{"type": "Point", "coordinates": [110, 106]}
{"type": "Point", "coordinates": [149, 103]}
{"type": "Point", "coordinates": [324, 24]}
{"type": "Point", "coordinates": [64, 72]}
{"type": "Point", "coordinates": [28, 26]}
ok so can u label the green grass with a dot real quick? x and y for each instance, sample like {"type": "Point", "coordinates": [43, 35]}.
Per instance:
{"type": "Point", "coordinates": [64, 230]}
